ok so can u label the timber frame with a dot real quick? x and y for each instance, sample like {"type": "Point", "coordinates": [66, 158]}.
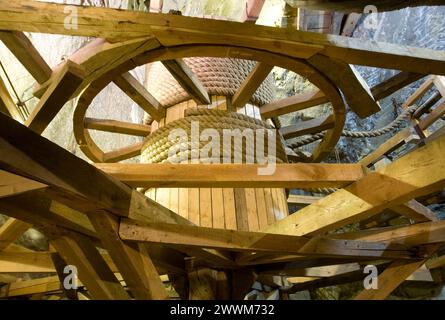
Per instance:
{"type": "Point", "coordinates": [144, 244]}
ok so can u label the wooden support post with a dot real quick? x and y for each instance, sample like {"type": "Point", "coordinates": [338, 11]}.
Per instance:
{"type": "Point", "coordinates": [132, 260]}
{"type": "Point", "coordinates": [251, 84]}
{"type": "Point", "coordinates": [69, 78]}
{"type": "Point", "coordinates": [7, 104]}
{"type": "Point", "coordinates": [93, 271]}
{"type": "Point", "coordinates": [10, 231]}
{"type": "Point", "coordinates": [188, 80]}
{"type": "Point", "coordinates": [19, 44]}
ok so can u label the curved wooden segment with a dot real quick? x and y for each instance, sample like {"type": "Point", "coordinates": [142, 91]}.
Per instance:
{"type": "Point", "coordinates": [357, 93]}
{"type": "Point", "coordinates": [22, 48]}
{"type": "Point", "coordinates": [117, 127]}
{"type": "Point", "coordinates": [136, 91]}
{"type": "Point", "coordinates": [94, 152]}
{"type": "Point", "coordinates": [308, 127]}
{"type": "Point", "coordinates": [251, 84]}
{"type": "Point", "coordinates": [188, 80]}
{"type": "Point", "coordinates": [291, 104]}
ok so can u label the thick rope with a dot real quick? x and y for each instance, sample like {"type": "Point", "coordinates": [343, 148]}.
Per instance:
{"type": "Point", "coordinates": [394, 125]}
{"type": "Point", "coordinates": [158, 146]}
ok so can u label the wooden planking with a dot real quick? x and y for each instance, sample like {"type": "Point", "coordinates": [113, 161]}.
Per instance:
{"type": "Point", "coordinates": [58, 93]}
{"type": "Point", "coordinates": [193, 205]}
{"type": "Point", "coordinates": [7, 104]}
{"type": "Point", "coordinates": [308, 127]}
{"type": "Point", "coordinates": [136, 91]}
{"type": "Point", "coordinates": [218, 207]}
{"type": "Point", "coordinates": [417, 173]}
{"type": "Point", "coordinates": [242, 221]}
{"type": "Point", "coordinates": [117, 127]}
{"type": "Point", "coordinates": [254, 241]}
{"type": "Point", "coordinates": [250, 85]}
{"type": "Point", "coordinates": [261, 208]}
{"type": "Point", "coordinates": [92, 269]}
{"type": "Point", "coordinates": [29, 287]}
{"type": "Point", "coordinates": [205, 207]}
{"type": "Point", "coordinates": [132, 260]}
{"type": "Point", "coordinates": [229, 209]}
{"type": "Point", "coordinates": [22, 48]}
{"type": "Point", "coordinates": [394, 83]}
{"type": "Point", "coordinates": [291, 104]}
{"type": "Point", "coordinates": [188, 80]}
{"type": "Point", "coordinates": [10, 231]}
{"type": "Point", "coordinates": [346, 77]}
{"type": "Point", "coordinates": [252, 211]}
{"type": "Point", "coordinates": [173, 30]}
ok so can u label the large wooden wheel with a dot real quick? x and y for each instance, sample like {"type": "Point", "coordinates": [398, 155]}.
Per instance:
{"type": "Point", "coordinates": [172, 59]}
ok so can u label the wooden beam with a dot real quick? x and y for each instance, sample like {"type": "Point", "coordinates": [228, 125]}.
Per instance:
{"type": "Point", "coordinates": [124, 153]}
{"type": "Point", "coordinates": [22, 48]}
{"type": "Point", "coordinates": [117, 127]}
{"type": "Point", "coordinates": [434, 115]}
{"type": "Point", "coordinates": [134, 263]}
{"type": "Point", "coordinates": [308, 127]}
{"type": "Point", "coordinates": [291, 104]}
{"type": "Point", "coordinates": [415, 211]}
{"type": "Point", "coordinates": [188, 80]}
{"type": "Point", "coordinates": [348, 79]}
{"type": "Point", "coordinates": [136, 91]}
{"type": "Point", "coordinates": [11, 230]}
{"type": "Point", "coordinates": [7, 104]}
{"type": "Point", "coordinates": [29, 287]}
{"type": "Point", "coordinates": [250, 85]}
{"type": "Point", "coordinates": [68, 80]}
{"type": "Point", "coordinates": [11, 184]}
{"type": "Point", "coordinates": [93, 271]}
{"type": "Point", "coordinates": [418, 173]}
{"type": "Point", "coordinates": [254, 241]}
{"type": "Point", "coordinates": [390, 279]}
{"type": "Point", "coordinates": [394, 83]}
{"type": "Point", "coordinates": [233, 175]}
{"type": "Point", "coordinates": [174, 30]}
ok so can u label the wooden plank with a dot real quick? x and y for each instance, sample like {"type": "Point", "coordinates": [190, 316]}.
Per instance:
{"type": "Point", "coordinates": [68, 80]}
{"type": "Point", "coordinates": [300, 200]}
{"type": "Point", "coordinates": [11, 230]}
{"type": "Point", "coordinates": [124, 153]}
{"type": "Point", "coordinates": [434, 115]}
{"type": "Point", "coordinates": [356, 91]}
{"type": "Point", "coordinates": [229, 209]}
{"type": "Point", "coordinates": [174, 30]}
{"type": "Point", "coordinates": [418, 173]}
{"type": "Point", "coordinates": [233, 175]}
{"type": "Point", "coordinates": [188, 80]}
{"type": "Point", "coordinates": [291, 104]}
{"type": "Point", "coordinates": [218, 208]}
{"type": "Point", "coordinates": [132, 260]}
{"type": "Point", "coordinates": [386, 147]}
{"type": "Point", "coordinates": [250, 85]}
{"type": "Point", "coordinates": [92, 269]}
{"type": "Point", "coordinates": [29, 287]}
{"type": "Point", "coordinates": [254, 241]}
{"type": "Point", "coordinates": [415, 211]}
{"type": "Point", "coordinates": [252, 211]}
{"type": "Point", "coordinates": [7, 104]}
{"type": "Point", "coordinates": [308, 127]}
{"type": "Point", "coordinates": [242, 222]}
{"type": "Point", "coordinates": [22, 48]}
{"type": "Point", "coordinates": [261, 208]}
{"type": "Point", "coordinates": [136, 91]}
{"type": "Point", "coordinates": [117, 127]}
{"type": "Point", "coordinates": [193, 205]}
{"type": "Point", "coordinates": [394, 83]}
{"type": "Point", "coordinates": [205, 207]}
